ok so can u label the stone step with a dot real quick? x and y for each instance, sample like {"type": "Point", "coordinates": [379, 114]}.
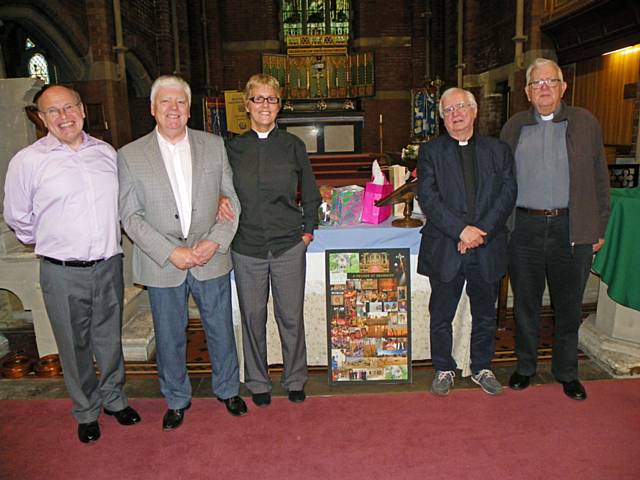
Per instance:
{"type": "Point", "coordinates": [138, 338]}
{"type": "Point", "coordinates": [4, 345]}
{"type": "Point", "coordinates": [138, 335]}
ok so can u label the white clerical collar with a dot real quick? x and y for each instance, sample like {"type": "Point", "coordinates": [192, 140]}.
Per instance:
{"type": "Point", "coordinates": [464, 143]}
{"type": "Point", "coordinates": [546, 118]}
{"type": "Point", "coordinates": [263, 135]}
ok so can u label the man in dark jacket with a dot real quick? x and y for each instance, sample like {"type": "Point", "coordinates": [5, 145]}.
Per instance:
{"type": "Point", "coordinates": [560, 219]}
{"type": "Point", "coordinates": [467, 189]}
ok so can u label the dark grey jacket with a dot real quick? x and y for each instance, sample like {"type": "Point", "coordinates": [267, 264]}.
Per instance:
{"type": "Point", "coordinates": [442, 197]}
{"type": "Point", "coordinates": [589, 177]}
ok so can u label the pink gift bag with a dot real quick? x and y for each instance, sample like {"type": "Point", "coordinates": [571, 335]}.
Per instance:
{"type": "Point", "coordinates": [373, 192]}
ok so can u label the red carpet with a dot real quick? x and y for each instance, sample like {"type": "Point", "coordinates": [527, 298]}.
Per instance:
{"type": "Point", "coordinates": [537, 434]}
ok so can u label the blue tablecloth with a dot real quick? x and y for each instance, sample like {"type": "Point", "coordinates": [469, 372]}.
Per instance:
{"type": "Point", "coordinates": [364, 235]}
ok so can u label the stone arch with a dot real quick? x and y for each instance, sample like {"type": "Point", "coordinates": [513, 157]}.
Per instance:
{"type": "Point", "coordinates": [19, 274]}
{"type": "Point", "coordinates": [62, 45]}
{"type": "Point", "coordinates": [139, 79]}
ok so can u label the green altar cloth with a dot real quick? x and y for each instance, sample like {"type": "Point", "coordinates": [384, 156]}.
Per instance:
{"type": "Point", "coordinates": [618, 261]}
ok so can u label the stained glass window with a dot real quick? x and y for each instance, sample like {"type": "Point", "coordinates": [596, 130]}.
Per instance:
{"type": "Point", "coordinates": [315, 17]}
{"type": "Point", "coordinates": [38, 67]}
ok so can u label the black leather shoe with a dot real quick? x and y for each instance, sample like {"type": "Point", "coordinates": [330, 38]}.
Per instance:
{"type": "Point", "coordinates": [261, 399]}
{"type": "Point", "coordinates": [519, 382]}
{"type": "Point", "coordinates": [173, 418]}
{"type": "Point", "coordinates": [126, 416]}
{"type": "Point", "coordinates": [235, 406]}
{"type": "Point", "coordinates": [297, 396]}
{"type": "Point", "coordinates": [574, 390]}
{"type": "Point", "coordinates": [89, 432]}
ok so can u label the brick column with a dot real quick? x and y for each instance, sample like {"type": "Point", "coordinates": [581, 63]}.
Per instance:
{"type": "Point", "coordinates": [164, 38]}
{"type": "Point", "coordinates": [106, 89]}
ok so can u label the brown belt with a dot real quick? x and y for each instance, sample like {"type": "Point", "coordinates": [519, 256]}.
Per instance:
{"type": "Point", "coordinates": [553, 212]}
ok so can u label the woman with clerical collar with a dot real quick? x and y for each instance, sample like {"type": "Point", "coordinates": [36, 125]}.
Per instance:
{"type": "Point", "coordinates": [271, 170]}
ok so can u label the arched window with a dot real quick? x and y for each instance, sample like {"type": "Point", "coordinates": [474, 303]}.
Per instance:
{"type": "Point", "coordinates": [38, 67]}
{"type": "Point", "coordinates": [37, 64]}
{"type": "Point", "coordinates": [315, 17]}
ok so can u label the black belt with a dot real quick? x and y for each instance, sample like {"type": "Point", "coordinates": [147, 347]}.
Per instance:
{"type": "Point", "coordinates": [553, 212]}
{"type": "Point", "coordinates": [73, 263]}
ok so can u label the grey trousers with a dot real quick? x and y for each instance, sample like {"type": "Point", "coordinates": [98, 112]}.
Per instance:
{"type": "Point", "coordinates": [84, 305]}
{"type": "Point", "coordinates": [286, 275]}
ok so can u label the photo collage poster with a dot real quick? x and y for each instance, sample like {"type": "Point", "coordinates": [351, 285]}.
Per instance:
{"type": "Point", "coordinates": [369, 315]}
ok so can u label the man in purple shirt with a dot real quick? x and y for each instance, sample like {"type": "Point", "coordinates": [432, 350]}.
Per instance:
{"type": "Point", "coordinates": [61, 193]}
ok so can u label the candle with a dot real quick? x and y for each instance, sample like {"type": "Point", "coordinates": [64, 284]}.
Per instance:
{"type": "Point", "coordinates": [356, 79]}
{"type": "Point", "coordinates": [328, 80]}
{"type": "Point", "coordinates": [364, 68]}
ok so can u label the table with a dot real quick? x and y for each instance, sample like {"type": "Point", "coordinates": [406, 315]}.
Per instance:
{"type": "Point", "coordinates": [363, 236]}
{"type": "Point", "coordinates": [618, 261]}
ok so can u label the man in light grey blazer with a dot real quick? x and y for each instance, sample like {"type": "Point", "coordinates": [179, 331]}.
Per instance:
{"type": "Point", "coordinates": [170, 183]}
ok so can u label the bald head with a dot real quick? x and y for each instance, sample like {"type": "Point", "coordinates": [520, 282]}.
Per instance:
{"type": "Point", "coordinates": [61, 110]}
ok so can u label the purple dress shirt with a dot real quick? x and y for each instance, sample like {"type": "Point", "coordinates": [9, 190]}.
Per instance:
{"type": "Point", "coordinates": [65, 201]}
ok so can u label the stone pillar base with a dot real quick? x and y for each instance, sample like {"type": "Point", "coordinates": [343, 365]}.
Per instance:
{"type": "Point", "coordinates": [4, 345]}
{"type": "Point", "coordinates": [618, 357]}
{"type": "Point", "coordinates": [138, 336]}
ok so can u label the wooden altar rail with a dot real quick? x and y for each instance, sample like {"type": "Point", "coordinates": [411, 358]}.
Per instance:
{"type": "Point", "coordinates": [344, 168]}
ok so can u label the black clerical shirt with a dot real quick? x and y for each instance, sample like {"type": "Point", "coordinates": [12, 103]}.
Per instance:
{"type": "Point", "coordinates": [467, 154]}
{"type": "Point", "coordinates": [266, 176]}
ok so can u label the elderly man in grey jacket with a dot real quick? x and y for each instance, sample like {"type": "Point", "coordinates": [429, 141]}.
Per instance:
{"type": "Point", "coordinates": [561, 215]}
{"type": "Point", "coordinates": [170, 182]}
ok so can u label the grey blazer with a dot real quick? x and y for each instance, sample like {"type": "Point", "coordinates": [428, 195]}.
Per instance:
{"type": "Point", "coordinates": [149, 214]}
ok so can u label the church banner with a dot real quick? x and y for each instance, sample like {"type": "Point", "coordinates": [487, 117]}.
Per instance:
{"type": "Point", "coordinates": [237, 118]}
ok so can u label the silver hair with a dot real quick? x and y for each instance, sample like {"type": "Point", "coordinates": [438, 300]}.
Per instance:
{"type": "Point", "coordinates": [469, 96]}
{"type": "Point", "coordinates": [170, 81]}
{"type": "Point", "coordinates": [541, 62]}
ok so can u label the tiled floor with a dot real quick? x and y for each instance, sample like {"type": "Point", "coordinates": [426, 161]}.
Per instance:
{"type": "Point", "coordinates": [142, 380]}
{"type": "Point", "coordinates": [147, 387]}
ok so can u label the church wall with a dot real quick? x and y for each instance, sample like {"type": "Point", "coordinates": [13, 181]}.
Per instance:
{"type": "Point", "coordinates": [386, 28]}
{"type": "Point", "coordinates": [141, 32]}
{"type": "Point", "coordinates": [489, 29]}
{"type": "Point", "coordinates": [236, 33]}
{"type": "Point", "coordinates": [247, 32]}
{"type": "Point", "coordinates": [69, 14]}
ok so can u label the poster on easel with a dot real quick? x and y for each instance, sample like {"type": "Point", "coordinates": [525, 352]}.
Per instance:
{"type": "Point", "coordinates": [368, 315]}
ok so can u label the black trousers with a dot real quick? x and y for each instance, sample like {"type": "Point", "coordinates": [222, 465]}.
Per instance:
{"type": "Point", "coordinates": [442, 308]}
{"type": "Point", "coordinates": [540, 249]}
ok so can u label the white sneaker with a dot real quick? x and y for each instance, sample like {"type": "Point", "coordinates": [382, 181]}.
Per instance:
{"type": "Point", "coordinates": [487, 381]}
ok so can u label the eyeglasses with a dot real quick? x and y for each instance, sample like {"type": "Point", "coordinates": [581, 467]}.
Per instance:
{"type": "Point", "coordinates": [54, 112]}
{"type": "Point", "coordinates": [458, 107]}
{"type": "Point", "coordinates": [549, 82]}
{"type": "Point", "coordinates": [261, 99]}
